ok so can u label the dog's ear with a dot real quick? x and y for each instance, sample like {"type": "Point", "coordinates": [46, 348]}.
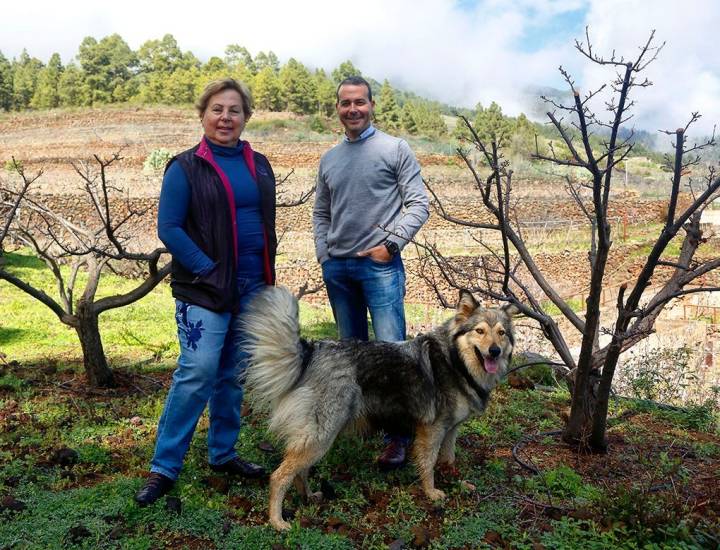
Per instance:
{"type": "Point", "coordinates": [511, 309]}
{"type": "Point", "coordinates": [466, 304]}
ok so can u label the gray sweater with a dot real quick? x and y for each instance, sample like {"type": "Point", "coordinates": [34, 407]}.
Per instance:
{"type": "Point", "coordinates": [367, 191]}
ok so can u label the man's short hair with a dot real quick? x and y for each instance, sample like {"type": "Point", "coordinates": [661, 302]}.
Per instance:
{"type": "Point", "coordinates": [217, 86]}
{"type": "Point", "coordinates": [353, 81]}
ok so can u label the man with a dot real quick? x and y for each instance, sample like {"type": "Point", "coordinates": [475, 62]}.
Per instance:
{"type": "Point", "coordinates": [370, 201]}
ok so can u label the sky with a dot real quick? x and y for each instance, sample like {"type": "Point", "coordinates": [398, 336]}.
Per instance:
{"type": "Point", "coordinates": [457, 51]}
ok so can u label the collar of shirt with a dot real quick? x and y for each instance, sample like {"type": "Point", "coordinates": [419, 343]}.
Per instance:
{"type": "Point", "coordinates": [226, 151]}
{"type": "Point", "coordinates": [370, 130]}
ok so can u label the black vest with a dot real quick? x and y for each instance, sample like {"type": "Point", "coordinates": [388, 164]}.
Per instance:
{"type": "Point", "coordinates": [210, 225]}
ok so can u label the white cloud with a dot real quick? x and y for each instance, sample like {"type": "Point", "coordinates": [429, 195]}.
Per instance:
{"type": "Point", "coordinates": [462, 55]}
{"type": "Point", "coordinates": [686, 74]}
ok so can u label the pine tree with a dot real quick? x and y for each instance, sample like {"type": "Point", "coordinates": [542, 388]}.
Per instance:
{"type": "Point", "coordinates": [428, 120]}
{"type": "Point", "coordinates": [298, 88]}
{"type": "Point", "coordinates": [239, 55]}
{"type": "Point", "coordinates": [269, 59]}
{"type": "Point", "coordinates": [388, 114]}
{"type": "Point", "coordinates": [345, 70]}
{"type": "Point", "coordinates": [46, 92]}
{"type": "Point", "coordinates": [25, 70]}
{"type": "Point", "coordinates": [73, 91]}
{"type": "Point", "coordinates": [267, 90]}
{"type": "Point", "coordinates": [6, 84]}
{"type": "Point", "coordinates": [160, 56]}
{"type": "Point", "coordinates": [408, 118]}
{"type": "Point", "coordinates": [522, 141]}
{"type": "Point", "coordinates": [492, 126]}
{"type": "Point", "coordinates": [108, 67]}
{"type": "Point", "coordinates": [182, 86]}
{"type": "Point", "coordinates": [325, 93]}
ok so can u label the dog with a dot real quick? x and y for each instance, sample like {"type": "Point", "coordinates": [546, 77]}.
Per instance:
{"type": "Point", "coordinates": [315, 389]}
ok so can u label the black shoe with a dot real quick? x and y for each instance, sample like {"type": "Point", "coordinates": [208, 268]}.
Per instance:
{"type": "Point", "coordinates": [156, 486]}
{"type": "Point", "coordinates": [238, 467]}
{"type": "Point", "coordinates": [393, 456]}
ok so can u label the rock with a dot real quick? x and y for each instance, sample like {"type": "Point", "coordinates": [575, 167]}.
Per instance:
{"type": "Point", "coordinates": [173, 504]}
{"type": "Point", "coordinates": [219, 484]}
{"type": "Point", "coordinates": [12, 504]}
{"type": "Point", "coordinates": [520, 382]}
{"type": "Point", "coordinates": [421, 536]}
{"type": "Point", "coordinates": [334, 521]}
{"type": "Point", "coordinates": [327, 490]}
{"type": "Point", "coordinates": [136, 421]}
{"type": "Point", "coordinates": [397, 544]}
{"type": "Point", "coordinates": [65, 457]}
{"type": "Point", "coordinates": [77, 533]}
{"type": "Point", "coordinates": [266, 446]}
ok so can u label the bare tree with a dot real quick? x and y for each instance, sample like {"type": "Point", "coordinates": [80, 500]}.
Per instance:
{"type": "Point", "coordinates": [93, 248]}
{"type": "Point", "coordinates": [497, 274]}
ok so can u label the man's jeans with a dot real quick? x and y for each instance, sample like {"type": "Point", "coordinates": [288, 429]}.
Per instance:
{"type": "Point", "coordinates": [358, 285]}
{"type": "Point", "coordinates": [208, 369]}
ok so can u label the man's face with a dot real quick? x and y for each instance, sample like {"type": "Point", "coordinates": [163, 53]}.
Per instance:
{"type": "Point", "coordinates": [354, 109]}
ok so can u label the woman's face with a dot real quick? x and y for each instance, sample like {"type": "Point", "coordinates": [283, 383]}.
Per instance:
{"type": "Point", "coordinates": [224, 118]}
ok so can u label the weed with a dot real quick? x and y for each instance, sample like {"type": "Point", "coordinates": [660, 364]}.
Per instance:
{"type": "Point", "coordinates": [156, 160]}
{"type": "Point", "coordinates": [563, 482]}
{"type": "Point", "coordinates": [11, 383]}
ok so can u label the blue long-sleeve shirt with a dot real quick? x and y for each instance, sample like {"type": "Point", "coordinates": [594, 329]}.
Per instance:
{"type": "Point", "coordinates": [175, 202]}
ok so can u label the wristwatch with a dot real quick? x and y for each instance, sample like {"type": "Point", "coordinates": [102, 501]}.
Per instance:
{"type": "Point", "coordinates": [392, 247]}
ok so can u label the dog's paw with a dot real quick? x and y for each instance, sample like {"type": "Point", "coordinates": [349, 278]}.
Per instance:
{"type": "Point", "coordinates": [436, 494]}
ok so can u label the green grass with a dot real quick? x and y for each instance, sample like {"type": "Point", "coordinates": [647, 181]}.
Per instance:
{"type": "Point", "coordinates": [145, 330]}
{"type": "Point", "coordinates": [88, 503]}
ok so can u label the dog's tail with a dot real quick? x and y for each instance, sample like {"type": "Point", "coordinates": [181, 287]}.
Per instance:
{"type": "Point", "coordinates": [275, 363]}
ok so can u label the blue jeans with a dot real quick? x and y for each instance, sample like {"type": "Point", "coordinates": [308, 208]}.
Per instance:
{"type": "Point", "coordinates": [208, 369]}
{"type": "Point", "coordinates": [358, 285]}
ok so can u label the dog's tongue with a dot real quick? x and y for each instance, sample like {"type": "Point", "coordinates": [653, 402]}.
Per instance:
{"type": "Point", "coordinates": [491, 365]}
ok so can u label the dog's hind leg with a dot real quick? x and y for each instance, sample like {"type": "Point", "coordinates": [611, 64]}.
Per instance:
{"type": "Point", "coordinates": [296, 464]}
{"type": "Point", "coordinates": [447, 449]}
{"type": "Point", "coordinates": [301, 484]}
{"type": "Point", "coordinates": [303, 487]}
{"type": "Point", "coordinates": [428, 438]}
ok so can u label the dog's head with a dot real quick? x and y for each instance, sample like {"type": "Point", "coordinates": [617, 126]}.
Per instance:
{"type": "Point", "coordinates": [484, 338]}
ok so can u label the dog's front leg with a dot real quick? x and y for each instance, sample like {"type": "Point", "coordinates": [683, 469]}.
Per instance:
{"type": "Point", "coordinates": [447, 449]}
{"type": "Point", "coordinates": [428, 438]}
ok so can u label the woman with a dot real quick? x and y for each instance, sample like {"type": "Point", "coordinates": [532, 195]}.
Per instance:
{"type": "Point", "coordinates": [217, 218]}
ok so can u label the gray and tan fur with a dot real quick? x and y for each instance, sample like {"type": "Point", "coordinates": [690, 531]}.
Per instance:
{"type": "Point", "coordinates": [313, 390]}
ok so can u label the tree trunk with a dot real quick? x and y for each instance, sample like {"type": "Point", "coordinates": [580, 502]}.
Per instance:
{"type": "Point", "coordinates": [579, 428]}
{"type": "Point", "coordinates": [97, 370]}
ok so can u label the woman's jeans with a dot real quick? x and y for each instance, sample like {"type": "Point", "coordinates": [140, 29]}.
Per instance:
{"type": "Point", "coordinates": [208, 373]}
{"type": "Point", "coordinates": [358, 285]}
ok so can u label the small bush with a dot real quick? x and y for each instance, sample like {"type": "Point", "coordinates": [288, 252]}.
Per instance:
{"type": "Point", "coordinates": [156, 160]}
{"type": "Point", "coordinates": [660, 375]}
{"type": "Point", "coordinates": [318, 124]}
{"type": "Point", "coordinates": [563, 482]}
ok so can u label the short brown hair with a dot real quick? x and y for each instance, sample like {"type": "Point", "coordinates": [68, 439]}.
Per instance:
{"type": "Point", "coordinates": [217, 86]}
